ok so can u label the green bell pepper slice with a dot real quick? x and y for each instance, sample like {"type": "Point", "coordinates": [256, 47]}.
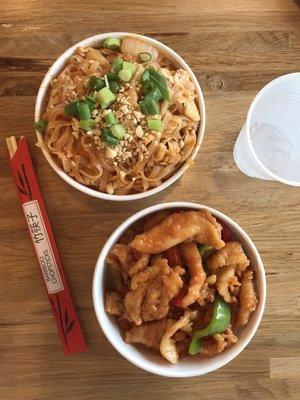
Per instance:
{"type": "Point", "coordinates": [218, 324]}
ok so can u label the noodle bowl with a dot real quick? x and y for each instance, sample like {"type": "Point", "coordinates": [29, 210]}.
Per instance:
{"type": "Point", "coordinates": [146, 158]}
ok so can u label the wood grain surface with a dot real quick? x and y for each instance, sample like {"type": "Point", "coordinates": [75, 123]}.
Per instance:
{"type": "Point", "coordinates": [234, 47]}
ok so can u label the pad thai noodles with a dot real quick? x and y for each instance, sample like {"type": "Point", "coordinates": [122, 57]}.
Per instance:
{"type": "Point", "coordinates": [180, 284]}
{"type": "Point", "coordinates": [121, 118]}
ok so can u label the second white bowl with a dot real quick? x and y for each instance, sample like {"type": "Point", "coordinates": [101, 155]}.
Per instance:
{"type": "Point", "coordinates": [189, 366]}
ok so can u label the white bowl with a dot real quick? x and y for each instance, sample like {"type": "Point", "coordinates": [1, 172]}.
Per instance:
{"type": "Point", "coordinates": [58, 66]}
{"type": "Point", "coordinates": [189, 366]}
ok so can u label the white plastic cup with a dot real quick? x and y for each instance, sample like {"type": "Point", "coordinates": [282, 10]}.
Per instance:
{"type": "Point", "coordinates": [268, 146]}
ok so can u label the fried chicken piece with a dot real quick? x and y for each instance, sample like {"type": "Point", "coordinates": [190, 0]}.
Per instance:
{"type": "Point", "coordinates": [149, 334]}
{"type": "Point", "coordinates": [218, 343]}
{"type": "Point", "coordinates": [129, 261]}
{"type": "Point", "coordinates": [139, 265]}
{"type": "Point", "coordinates": [192, 258]}
{"type": "Point", "coordinates": [175, 229]}
{"type": "Point", "coordinates": [167, 345]}
{"type": "Point", "coordinates": [164, 287]}
{"type": "Point", "coordinates": [211, 234]}
{"type": "Point", "coordinates": [247, 298]}
{"type": "Point", "coordinates": [226, 282]}
{"type": "Point", "coordinates": [133, 304]}
{"type": "Point", "coordinates": [207, 294]}
{"type": "Point", "coordinates": [231, 254]}
{"type": "Point", "coordinates": [114, 304]}
{"type": "Point", "coordinates": [151, 292]}
{"type": "Point", "coordinates": [155, 219]}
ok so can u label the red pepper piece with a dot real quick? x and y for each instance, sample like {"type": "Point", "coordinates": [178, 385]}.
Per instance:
{"type": "Point", "coordinates": [177, 301]}
{"type": "Point", "coordinates": [173, 256]}
{"type": "Point", "coordinates": [226, 234]}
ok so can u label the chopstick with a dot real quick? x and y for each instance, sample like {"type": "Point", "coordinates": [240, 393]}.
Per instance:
{"type": "Point", "coordinates": [12, 145]}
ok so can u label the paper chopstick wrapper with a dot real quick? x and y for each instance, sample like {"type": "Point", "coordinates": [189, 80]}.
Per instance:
{"type": "Point", "coordinates": [46, 250]}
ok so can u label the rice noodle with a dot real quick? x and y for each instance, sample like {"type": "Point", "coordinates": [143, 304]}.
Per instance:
{"type": "Point", "coordinates": [152, 158]}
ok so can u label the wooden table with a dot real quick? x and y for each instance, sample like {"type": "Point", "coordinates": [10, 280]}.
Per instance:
{"type": "Point", "coordinates": [234, 47]}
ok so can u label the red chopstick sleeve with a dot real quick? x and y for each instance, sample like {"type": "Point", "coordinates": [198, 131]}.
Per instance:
{"type": "Point", "coordinates": [46, 250]}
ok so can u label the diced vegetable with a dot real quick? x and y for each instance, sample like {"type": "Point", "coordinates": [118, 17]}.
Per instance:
{"type": "Point", "coordinates": [110, 119]}
{"type": "Point", "coordinates": [115, 86]}
{"type": "Point", "coordinates": [125, 75]}
{"type": "Point", "coordinates": [134, 46]}
{"type": "Point", "coordinates": [178, 300]}
{"type": "Point", "coordinates": [149, 107]}
{"type": "Point", "coordinates": [84, 111]}
{"type": "Point", "coordinates": [219, 323]}
{"type": "Point", "coordinates": [117, 65]}
{"type": "Point", "coordinates": [157, 80]}
{"type": "Point", "coordinates": [155, 124]}
{"type": "Point", "coordinates": [41, 125]}
{"type": "Point", "coordinates": [154, 94]}
{"type": "Point", "coordinates": [71, 109]}
{"type": "Point", "coordinates": [107, 137]}
{"type": "Point", "coordinates": [226, 234]}
{"type": "Point", "coordinates": [118, 131]}
{"type": "Point", "coordinates": [86, 124]}
{"type": "Point", "coordinates": [112, 43]}
{"type": "Point", "coordinates": [129, 66]}
{"type": "Point", "coordinates": [205, 250]}
{"type": "Point", "coordinates": [173, 256]}
{"type": "Point", "coordinates": [105, 97]}
{"type": "Point", "coordinates": [96, 83]}
{"type": "Point", "coordinates": [144, 57]}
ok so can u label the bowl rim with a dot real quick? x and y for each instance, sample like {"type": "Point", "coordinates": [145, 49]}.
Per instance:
{"type": "Point", "coordinates": [56, 68]}
{"type": "Point", "coordinates": [98, 302]}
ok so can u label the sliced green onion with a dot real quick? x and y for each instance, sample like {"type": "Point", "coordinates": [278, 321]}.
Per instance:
{"type": "Point", "coordinates": [155, 124]}
{"type": "Point", "coordinates": [105, 97]}
{"type": "Point", "coordinates": [144, 57]}
{"type": "Point", "coordinates": [86, 124]}
{"type": "Point", "coordinates": [107, 137]}
{"type": "Point", "coordinates": [125, 75]}
{"type": "Point", "coordinates": [145, 76]}
{"type": "Point", "coordinates": [106, 81]}
{"type": "Point", "coordinates": [91, 102]}
{"type": "Point", "coordinates": [152, 77]}
{"type": "Point", "coordinates": [71, 109]}
{"type": "Point", "coordinates": [129, 66]}
{"type": "Point", "coordinates": [40, 125]}
{"type": "Point", "coordinates": [115, 86]}
{"type": "Point", "coordinates": [96, 83]}
{"type": "Point", "coordinates": [84, 111]}
{"type": "Point", "coordinates": [149, 107]}
{"type": "Point", "coordinates": [112, 76]}
{"type": "Point", "coordinates": [154, 94]}
{"type": "Point", "coordinates": [118, 131]}
{"type": "Point", "coordinates": [117, 65]}
{"type": "Point", "coordinates": [110, 119]}
{"type": "Point", "coordinates": [112, 43]}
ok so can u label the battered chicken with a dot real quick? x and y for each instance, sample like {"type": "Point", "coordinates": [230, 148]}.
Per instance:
{"type": "Point", "coordinates": [151, 292]}
{"type": "Point", "coordinates": [247, 299]}
{"type": "Point", "coordinates": [114, 303]}
{"type": "Point", "coordinates": [192, 259]}
{"type": "Point", "coordinates": [168, 346]}
{"type": "Point", "coordinates": [211, 232]}
{"type": "Point", "coordinates": [219, 342]}
{"type": "Point", "coordinates": [231, 254]}
{"type": "Point", "coordinates": [175, 229]}
{"type": "Point", "coordinates": [149, 334]}
{"type": "Point", "coordinates": [226, 282]}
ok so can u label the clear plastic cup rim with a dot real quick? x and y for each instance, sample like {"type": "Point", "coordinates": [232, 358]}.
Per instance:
{"type": "Point", "coordinates": [247, 127]}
